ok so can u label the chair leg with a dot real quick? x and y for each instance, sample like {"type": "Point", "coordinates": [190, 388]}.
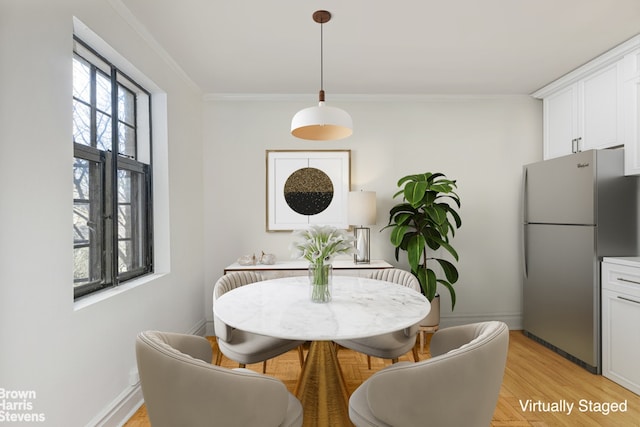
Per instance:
{"type": "Point", "coordinates": [369, 362]}
{"type": "Point", "coordinates": [218, 354]}
{"type": "Point", "coordinates": [415, 354]}
{"type": "Point", "coordinates": [301, 356]}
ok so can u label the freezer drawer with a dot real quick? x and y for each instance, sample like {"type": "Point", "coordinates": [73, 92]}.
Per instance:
{"type": "Point", "coordinates": [561, 291]}
{"type": "Point", "coordinates": [561, 190]}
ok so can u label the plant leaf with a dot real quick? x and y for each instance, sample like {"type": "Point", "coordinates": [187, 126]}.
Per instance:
{"type": "Point", "coordinates": [415, 250]}
{"type": "Point", "coordinates": [437, 213]}
{"type": "Point", "coordinates": [452, 292]}
{"type": "Point", "coordinates": [414, 192]}
{"type": "Point", "coordinates": [397, 234]}
{"type": "Point", "coordinates": [431, 285]}
{"type": "Point", "coordinates": [450, 271]}
{"type": "Point", "coordinates": [456, 218]}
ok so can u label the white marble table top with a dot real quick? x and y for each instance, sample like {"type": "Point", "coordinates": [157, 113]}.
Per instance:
{"type": "Point", "coordinates": [359, 308]}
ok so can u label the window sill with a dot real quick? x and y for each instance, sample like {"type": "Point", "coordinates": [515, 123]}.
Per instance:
{"type": "Point", "coordinates": [97, 297]}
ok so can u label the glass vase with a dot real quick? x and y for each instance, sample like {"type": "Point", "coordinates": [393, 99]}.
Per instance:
{"type": "Point", "coordinates": [320, 281]}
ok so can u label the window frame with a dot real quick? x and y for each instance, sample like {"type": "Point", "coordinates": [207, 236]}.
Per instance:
{"type": "Point", "coordinates": [108, 229]}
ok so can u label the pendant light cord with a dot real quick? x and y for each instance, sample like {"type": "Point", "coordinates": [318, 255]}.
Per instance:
{"type": "Point", "coordinates": [321, 16]}
{"type": "Point", "coordinates": [321, 96]}
{"type": "Point", "coordinates": [321, 57]}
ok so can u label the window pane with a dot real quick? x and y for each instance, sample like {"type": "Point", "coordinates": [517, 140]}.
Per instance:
{"type": "Point", "coordinates": [126, 258]}
{"type": "Point", "coordinates": [124, 186]}
{"type": "Point", "coordinates": [87, 229]}
{"type": "Point", "coordinates": [81, 80]}
{"type": "Point", "coordinates": [103, 132]}
{"type": "Point", "coordinates": [126, 140]}
{"type": "Point", "coordinates": [81, 179]}
{"type": "Point", "coordinates": [81, 123]}
{"type": "Point", "coordinates": [103, 92]}
{"type": "Point", "coordinates": [125, 221]}
{"type": "Point", "coordinates": [81, 230]}
{"type": "Point", "coordinates": [131, 226]}
{"type": "Point", "coordinates": [126, 106]}
{"type": "Point", "coordinates": [81, 261]}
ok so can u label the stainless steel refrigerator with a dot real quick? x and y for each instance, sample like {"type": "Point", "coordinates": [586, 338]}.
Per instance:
{"type": "Point", "coordinates": [577, 209]}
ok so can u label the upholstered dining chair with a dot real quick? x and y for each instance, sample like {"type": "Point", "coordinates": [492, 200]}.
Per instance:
{"type": "Point", "coordinates": [181, 387]}
{"type": "Point", "coordinates": [394, 344]}
{"type": "Point", "coordinates": [242, 346]}
{"type": "Point", "coordinates": [457, 386]}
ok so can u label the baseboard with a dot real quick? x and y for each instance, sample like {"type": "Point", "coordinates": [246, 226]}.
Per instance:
{"type": "Point", "coordinates": [209, 329]}
{"type": "Point", "coordinates": [121, 409]}
{"type": "Point", "coordinates": [129, 401]}
{"type": "Point", "coordinates": [199, 329]}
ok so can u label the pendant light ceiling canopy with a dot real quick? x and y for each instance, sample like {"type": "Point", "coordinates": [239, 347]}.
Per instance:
{"type": "Point", "coordinates": [321, 123]}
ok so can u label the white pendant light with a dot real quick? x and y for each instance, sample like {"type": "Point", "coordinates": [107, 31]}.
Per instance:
{"type": "Point", "coordinates": [321, 123]}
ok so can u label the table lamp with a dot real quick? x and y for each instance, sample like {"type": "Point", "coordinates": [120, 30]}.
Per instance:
{"type": "Point", "coordinates": [362, 211]}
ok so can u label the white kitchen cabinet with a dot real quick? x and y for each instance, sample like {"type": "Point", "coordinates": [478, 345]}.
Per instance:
{"type": "Point", "coordinates": [587, 108]}
{"type": "Point", "coordinates": [620, 320]}
{"type": "Point", "coordinates": [631, 109]}
{"type": "Point", "coordinates": [584, 115]}
{"type": "Point", "coordinates": [600, 108]}
{"type": "Point", "coordinates": [560, 116]}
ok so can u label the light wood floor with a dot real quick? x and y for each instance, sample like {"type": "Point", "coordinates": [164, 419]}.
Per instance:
{"type": "Point", "coordinates": [533, 373]}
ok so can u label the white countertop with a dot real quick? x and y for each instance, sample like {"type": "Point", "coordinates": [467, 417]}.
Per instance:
{"type": "Point", "coordinates": [631, 261]}
{"type": "Point", "coordinates": [359, 308]}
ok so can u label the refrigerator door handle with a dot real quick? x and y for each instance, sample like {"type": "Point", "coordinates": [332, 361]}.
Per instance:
{"type": "Point", "coordinates": [525, 232]}
{"type": "Point", "coordinates": [525, 255]}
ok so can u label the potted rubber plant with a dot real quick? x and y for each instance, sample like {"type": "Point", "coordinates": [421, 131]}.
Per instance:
{"type": "Point", "coordinates": [424, 222]}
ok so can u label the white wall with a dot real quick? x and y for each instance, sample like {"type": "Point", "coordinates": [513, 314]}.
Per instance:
{"type": "Point", "coordinates": [482, 142]}
{"type": "Point", "coordinates": [78, 361]}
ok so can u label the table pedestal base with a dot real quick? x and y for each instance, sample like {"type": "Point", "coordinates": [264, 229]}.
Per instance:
{"type": "Point", "coordinates": [321, 388]}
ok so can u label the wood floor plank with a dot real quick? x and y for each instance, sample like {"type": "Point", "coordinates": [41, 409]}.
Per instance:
{"type": "Point", "coordinates": [533, 373]}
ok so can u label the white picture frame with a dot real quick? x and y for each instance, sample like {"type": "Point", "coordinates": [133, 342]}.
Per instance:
{"type": "Point", "coordinates": [285, 167]}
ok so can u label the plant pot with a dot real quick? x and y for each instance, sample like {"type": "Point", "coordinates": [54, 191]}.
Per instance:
{"type": "Point", "coordinates": [433, 318]}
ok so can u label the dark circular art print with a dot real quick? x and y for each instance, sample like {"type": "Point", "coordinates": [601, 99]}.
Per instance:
{"type": "Point", "coordinates": [308, 191]}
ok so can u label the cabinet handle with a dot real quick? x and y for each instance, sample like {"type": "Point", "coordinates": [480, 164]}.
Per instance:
{"type": "Point", "coordinates": [574, 145]}
{"type": "Point", "coordinates": [628, 299]}
{"type": "Point", "coordinates": [622, 279]}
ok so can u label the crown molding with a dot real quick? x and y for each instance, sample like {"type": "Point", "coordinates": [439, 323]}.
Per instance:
{"type": "Point", "coordinates": [609, 57]}
{"type": "Point", "coordinates": [140, 29]}
{"type": "Point", "coordinates": [367, 98]}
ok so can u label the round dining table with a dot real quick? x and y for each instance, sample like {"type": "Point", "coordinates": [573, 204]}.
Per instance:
{"type": "Point", "coordinates": [359, 308]}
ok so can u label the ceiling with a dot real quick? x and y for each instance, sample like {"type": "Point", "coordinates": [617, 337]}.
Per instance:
{"type": "Point", "coordinates": [381, 47]}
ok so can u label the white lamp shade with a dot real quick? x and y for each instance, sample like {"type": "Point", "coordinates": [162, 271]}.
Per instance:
{"type": "Point", "coordinates": [362, 207]}
{"type": "Point", "coordinates": [321, 123]}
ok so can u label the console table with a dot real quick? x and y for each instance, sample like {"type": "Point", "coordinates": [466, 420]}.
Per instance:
{"type": "Point", "coordinates": [341, 267]}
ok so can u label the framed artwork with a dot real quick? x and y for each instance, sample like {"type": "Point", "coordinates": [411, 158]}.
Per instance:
{"type": "Point", "coordinates": [307, 187]}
